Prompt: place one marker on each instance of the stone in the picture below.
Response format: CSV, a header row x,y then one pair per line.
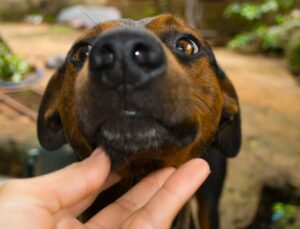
x,y
81,16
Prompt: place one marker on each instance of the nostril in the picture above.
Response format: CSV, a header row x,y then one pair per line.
x,y
147,55
102,57
141,54
108,56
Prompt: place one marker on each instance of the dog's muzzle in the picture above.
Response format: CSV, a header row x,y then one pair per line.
x,y
126,104
126,60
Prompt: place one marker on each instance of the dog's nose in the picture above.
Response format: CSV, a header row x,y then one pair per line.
x,y
126,59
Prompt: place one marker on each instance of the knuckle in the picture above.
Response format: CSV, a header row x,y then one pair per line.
x,y
88,186
171,193
126,204
141,219
11,185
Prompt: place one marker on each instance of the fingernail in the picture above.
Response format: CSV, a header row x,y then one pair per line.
x,y
97,151
205,168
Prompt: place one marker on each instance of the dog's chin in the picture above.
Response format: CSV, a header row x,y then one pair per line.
x,y
125,137
130,135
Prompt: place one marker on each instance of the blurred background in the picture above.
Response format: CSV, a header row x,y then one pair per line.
x,y
256,42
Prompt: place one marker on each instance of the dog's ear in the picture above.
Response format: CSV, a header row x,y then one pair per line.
x,y
228,137
49,125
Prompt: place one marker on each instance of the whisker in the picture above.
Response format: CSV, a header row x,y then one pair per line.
x,y
89,17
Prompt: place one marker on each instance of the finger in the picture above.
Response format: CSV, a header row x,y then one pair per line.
x,y
70,223
65,187
172,196
138,196
76,209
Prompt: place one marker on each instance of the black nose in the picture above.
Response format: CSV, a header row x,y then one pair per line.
x,y
126,58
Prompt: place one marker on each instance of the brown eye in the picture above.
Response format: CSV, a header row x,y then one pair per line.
x,y
81,53
187,46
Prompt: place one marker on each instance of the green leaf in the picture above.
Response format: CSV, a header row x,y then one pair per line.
x,y
12,67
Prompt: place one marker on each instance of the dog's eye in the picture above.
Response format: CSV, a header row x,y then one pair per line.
x,y
187,46
81,53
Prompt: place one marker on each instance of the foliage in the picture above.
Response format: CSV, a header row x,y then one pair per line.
x,y
273,38
248,41
283,214
264,38
12,67
254,11
293,53
273,28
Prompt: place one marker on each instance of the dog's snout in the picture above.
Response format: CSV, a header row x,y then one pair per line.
x,y
102,58
126,57
146,55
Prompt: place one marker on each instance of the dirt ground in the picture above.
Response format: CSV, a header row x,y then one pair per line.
x,y
269,98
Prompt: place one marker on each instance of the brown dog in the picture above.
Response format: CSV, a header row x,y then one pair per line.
x,y
151,93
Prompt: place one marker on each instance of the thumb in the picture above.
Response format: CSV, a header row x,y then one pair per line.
x,y
63,188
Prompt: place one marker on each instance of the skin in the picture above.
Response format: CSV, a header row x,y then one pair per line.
x,y
56,199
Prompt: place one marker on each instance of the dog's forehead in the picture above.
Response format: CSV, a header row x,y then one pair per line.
x,y
100,28
159,25
136,23
159,22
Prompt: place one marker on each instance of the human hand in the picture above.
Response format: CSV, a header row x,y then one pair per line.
x,y
56,199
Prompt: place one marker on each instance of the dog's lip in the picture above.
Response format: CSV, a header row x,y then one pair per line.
x,y
131,125
131,115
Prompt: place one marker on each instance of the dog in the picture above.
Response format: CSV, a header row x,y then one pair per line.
x,y
152,94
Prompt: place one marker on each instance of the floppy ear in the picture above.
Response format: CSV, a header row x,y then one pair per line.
x,y
228,137
49,125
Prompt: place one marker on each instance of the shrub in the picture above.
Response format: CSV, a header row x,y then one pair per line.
x,y
12,67
259,11
271,26
274,30
277,37
248,42
293,53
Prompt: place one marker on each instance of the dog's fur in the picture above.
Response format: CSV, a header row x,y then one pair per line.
x,y
189,109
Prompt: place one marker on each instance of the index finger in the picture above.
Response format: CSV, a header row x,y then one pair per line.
x,y
177,190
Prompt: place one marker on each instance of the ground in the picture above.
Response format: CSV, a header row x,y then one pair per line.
x,y
270,103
